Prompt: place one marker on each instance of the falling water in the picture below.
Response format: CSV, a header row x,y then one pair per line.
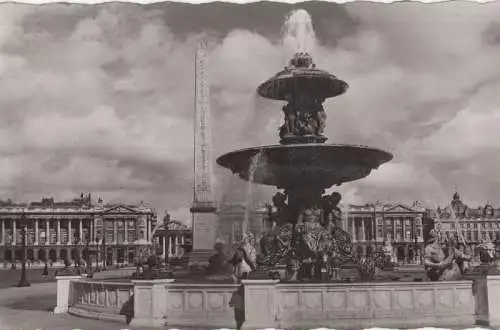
x,y
298,33
254,164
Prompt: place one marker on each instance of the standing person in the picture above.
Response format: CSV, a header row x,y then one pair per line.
x,y
238,303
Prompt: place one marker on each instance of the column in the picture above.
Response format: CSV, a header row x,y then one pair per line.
x,y
393,221
115,232
36,231
169,246
176,252
125,225
81,231
182,240
3,231
70,236
164,241
94,230
91,230
353,230
58,231
14,230
403,228
148,234
363,229
375,228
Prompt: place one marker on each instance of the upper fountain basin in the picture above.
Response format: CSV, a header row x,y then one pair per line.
x,y
321,165
302,81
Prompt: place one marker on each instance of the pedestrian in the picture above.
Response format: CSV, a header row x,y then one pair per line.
x,y
238,303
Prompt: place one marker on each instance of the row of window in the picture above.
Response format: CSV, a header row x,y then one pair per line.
x,y
475,225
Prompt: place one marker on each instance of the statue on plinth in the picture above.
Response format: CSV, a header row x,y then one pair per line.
x,y
388,250
443,264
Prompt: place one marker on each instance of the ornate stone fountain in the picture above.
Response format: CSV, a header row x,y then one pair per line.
x,y
304,233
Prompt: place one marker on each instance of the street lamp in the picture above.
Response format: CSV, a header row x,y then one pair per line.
x,y
24,226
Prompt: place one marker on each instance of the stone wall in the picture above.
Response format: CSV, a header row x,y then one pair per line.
x,y
196,304
270,304
397,304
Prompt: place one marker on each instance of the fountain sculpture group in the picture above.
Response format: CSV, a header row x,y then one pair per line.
x,y
303,234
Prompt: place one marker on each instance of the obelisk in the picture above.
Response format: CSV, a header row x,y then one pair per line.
x,y
204,208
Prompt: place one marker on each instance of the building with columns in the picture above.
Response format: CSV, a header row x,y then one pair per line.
x,y
174,240
477,225
371,225
79,229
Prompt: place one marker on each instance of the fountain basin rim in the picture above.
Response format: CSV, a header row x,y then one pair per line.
x,y
279,85
316,164
259,149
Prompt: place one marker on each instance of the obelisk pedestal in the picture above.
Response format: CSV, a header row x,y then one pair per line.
x,y
204,233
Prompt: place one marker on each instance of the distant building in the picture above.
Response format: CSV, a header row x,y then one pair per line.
x,y
173,239
371,225
477,225
78,229
232,218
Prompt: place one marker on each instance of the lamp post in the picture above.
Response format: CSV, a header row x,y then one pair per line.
x,y
24,280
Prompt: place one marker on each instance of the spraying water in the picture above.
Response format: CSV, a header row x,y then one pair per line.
x,y
256,160
298,34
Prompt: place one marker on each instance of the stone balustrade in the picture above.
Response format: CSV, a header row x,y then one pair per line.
x,y
102,300
399,304
271,304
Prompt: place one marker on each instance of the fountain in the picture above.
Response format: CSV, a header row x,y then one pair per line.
x,y
304,166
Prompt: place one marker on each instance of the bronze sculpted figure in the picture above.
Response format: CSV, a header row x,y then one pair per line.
x,y
441,264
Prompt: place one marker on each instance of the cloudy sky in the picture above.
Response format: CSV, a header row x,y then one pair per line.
x,y
100,98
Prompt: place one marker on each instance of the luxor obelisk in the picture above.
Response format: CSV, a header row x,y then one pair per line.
x,y
204,208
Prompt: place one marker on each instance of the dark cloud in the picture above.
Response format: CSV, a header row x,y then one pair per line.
x,y
101,97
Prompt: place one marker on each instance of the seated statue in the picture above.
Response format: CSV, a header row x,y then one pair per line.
x,y
218,264
441,265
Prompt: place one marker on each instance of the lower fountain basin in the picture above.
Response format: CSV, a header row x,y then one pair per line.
x,y
320,165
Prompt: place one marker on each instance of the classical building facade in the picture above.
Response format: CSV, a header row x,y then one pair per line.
x,y
371,225
79,229
475,225
174,240
232,220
